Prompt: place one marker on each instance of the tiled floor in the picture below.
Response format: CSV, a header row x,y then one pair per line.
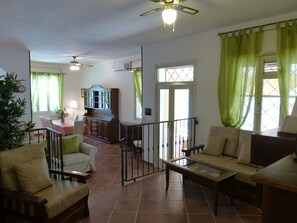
x,y
147,201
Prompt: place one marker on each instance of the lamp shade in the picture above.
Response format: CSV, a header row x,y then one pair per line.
x,y
169,16
73,104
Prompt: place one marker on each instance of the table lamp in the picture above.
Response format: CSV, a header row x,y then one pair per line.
x,y
73,105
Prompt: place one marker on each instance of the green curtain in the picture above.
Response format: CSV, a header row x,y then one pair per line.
x,y
35,88
238,66
287,62
138,83
53,83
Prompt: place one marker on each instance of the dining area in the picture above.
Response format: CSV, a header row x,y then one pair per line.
x,y
67,126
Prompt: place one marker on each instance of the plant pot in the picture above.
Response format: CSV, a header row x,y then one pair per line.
x,y
62,120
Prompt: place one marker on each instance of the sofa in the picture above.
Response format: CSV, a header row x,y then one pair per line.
x,y
78,155
230,148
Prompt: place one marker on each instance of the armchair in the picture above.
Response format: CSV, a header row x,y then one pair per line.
x,y
78,155
32,192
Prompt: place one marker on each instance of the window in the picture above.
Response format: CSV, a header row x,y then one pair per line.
x,y
46,91
265,110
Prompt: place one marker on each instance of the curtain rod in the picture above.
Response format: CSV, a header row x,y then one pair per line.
x,y
47,72
253,27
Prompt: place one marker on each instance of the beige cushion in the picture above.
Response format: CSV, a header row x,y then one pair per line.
x,y
33,175
74,158
232,135
61,195
244,154
215,160
231,147
215,145
245,136
11,157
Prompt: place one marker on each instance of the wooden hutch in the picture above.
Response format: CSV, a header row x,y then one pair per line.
x,y
102,112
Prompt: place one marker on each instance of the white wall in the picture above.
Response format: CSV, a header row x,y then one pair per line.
x,y
204,50
18,61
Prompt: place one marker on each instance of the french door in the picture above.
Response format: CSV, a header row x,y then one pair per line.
x,y
174,102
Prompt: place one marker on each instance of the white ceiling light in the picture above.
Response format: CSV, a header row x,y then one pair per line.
x,y
169,15
74,65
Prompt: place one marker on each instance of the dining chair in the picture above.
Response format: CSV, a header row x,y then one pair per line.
x,y
49,123
75,117
54,116
43,124
81,118
78,127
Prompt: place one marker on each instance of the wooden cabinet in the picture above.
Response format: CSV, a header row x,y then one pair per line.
x,y
268,147
279,191
102,114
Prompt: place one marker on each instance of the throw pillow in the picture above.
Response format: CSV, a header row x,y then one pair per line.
x,y
70,145
231,147
244,154
33,175
214,146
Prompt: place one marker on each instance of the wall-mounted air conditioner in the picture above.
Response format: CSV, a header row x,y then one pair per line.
x,y
121,66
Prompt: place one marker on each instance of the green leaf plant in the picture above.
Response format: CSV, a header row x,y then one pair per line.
x,y
13,129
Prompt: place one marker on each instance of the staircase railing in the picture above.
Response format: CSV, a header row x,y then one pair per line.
x,y
145,146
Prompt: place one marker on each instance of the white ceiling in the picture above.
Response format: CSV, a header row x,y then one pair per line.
x,y
53,30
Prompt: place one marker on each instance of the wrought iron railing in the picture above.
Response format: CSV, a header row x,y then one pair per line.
x,y
52,141
145,146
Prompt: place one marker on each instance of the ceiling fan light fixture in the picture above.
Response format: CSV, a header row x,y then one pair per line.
x,y
74,67
169,15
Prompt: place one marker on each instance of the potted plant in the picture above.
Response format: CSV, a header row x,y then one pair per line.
x,y
13,129
62,114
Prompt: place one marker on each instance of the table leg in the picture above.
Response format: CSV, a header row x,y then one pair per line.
x,y
167,177
216,198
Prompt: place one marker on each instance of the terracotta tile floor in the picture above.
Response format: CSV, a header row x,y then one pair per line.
x,y
147,201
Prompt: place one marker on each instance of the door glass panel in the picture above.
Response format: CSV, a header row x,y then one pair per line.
x,y
181,103
164,116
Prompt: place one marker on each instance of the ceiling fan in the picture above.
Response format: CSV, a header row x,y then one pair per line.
x,y
169,8
75,65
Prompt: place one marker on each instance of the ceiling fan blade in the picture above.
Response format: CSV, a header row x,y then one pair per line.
x,y
151,12
186,9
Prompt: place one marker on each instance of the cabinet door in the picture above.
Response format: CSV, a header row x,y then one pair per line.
x,y
106,130
94,127
85,96
99,129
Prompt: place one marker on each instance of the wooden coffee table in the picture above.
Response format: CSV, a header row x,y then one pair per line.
x,y
202,173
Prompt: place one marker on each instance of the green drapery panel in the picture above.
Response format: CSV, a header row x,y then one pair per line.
x,y
52,84
287,62
238,66
138,83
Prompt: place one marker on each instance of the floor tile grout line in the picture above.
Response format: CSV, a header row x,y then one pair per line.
x,y
237,214
112,211
208,203
185,201
138,205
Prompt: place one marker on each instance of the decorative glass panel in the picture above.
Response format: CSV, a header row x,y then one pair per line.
x,y
176,74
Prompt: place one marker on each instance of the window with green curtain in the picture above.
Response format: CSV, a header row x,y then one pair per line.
x,y
238,66
137,76
47,91
287,63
